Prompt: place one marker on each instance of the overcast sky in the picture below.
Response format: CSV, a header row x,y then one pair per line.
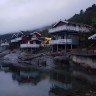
x,y
16,15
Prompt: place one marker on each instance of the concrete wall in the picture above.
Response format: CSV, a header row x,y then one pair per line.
x,y
84,61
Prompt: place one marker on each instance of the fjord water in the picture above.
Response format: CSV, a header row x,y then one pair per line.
x,y
19,84
58,82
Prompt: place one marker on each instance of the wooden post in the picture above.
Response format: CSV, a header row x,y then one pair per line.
x,y
65,42
57,46
31,50
71,42
71,45
52,48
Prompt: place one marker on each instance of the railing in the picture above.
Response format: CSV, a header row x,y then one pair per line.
x,y
16,39
69,28
34,38
29,45
61,41
5,44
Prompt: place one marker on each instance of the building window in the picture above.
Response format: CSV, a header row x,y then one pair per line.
x,y
62,37
68,36
59,37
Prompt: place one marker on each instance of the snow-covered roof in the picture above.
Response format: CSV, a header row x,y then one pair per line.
x,y
92,37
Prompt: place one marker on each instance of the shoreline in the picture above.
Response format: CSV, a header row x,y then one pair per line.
x,y
46,59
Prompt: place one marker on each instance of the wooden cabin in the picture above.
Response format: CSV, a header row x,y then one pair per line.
x,y
65,36
16,40
35,38
4,43
31,41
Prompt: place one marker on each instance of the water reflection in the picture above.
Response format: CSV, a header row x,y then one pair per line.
x,y
61,81
33,77
67,81
24,83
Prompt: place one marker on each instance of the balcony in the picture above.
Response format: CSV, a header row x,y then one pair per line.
x,y
60,41
5,44
29,45
34,38
16,39
69,28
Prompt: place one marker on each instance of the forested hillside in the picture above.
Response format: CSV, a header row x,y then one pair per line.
x,y
87,17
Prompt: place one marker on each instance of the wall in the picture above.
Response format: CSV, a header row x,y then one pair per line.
x,y
84,61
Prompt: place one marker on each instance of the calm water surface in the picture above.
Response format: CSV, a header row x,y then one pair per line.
x,y
59,82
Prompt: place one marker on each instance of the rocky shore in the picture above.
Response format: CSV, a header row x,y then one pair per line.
x,y
47,61
43,60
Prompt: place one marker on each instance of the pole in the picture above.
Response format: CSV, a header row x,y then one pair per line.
x,y
65,42
57,45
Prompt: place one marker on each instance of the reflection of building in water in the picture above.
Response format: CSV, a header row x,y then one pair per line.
x,y
61,83
27,77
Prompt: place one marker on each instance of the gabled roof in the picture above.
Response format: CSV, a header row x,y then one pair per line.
x,y
36,33
14,35
65,22
93,37
20,33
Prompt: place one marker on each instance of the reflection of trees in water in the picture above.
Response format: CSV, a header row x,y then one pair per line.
x,y
33,77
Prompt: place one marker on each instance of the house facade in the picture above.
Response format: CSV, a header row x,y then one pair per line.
x,y
28,41
4,43
16,40
31,41
65,35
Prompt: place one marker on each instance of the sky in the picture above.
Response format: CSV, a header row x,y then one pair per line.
x,y
22,15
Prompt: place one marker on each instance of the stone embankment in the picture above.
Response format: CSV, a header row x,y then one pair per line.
x,y
84,61
18,58
45,59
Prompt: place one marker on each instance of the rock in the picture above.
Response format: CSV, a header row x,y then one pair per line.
x,y
61,59
44,61
21,58
2,54
11,58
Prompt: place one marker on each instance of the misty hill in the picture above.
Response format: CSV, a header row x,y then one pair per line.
x,y
87,17
43,31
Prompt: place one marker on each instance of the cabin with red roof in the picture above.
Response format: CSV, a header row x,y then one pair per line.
x,y
31,41
65,35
